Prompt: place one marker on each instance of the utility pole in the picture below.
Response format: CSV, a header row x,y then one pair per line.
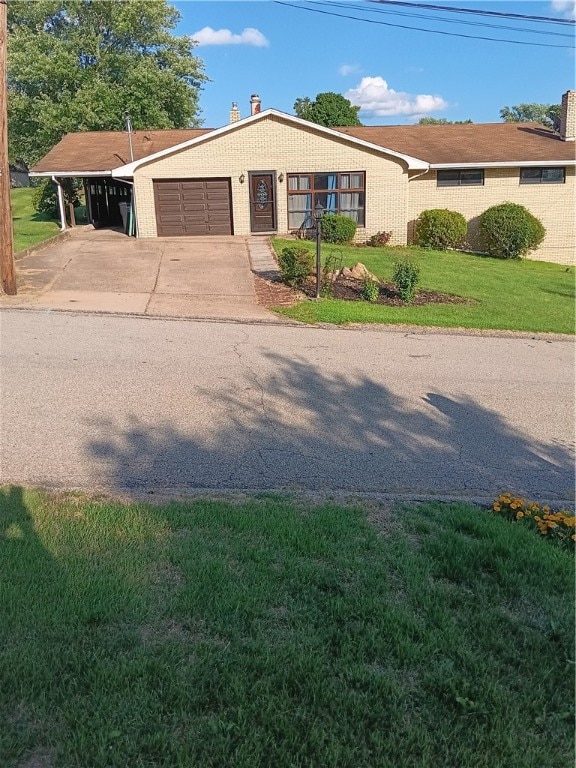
x,y
6,238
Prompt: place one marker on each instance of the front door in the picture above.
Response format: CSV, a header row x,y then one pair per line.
x,y
262,201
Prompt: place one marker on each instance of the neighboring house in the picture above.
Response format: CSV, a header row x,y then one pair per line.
x,y
19,175
266,173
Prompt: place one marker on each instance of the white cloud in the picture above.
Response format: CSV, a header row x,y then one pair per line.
x,y
374,96
248,36
349,69
566,7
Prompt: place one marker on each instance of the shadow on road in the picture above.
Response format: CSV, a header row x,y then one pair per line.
x,y
300,428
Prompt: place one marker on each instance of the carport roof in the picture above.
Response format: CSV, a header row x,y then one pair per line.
x,y
102,151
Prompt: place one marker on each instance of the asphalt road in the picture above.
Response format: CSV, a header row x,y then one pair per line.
x,y
122,404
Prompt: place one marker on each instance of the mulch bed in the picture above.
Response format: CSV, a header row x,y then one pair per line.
x,y
273,293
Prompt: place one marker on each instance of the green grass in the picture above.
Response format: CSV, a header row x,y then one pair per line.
x,y
30,227
267,633
509,295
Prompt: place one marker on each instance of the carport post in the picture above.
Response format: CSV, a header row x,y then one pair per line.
x,y
60,203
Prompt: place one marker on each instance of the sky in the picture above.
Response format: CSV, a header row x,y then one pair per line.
x,y
395,75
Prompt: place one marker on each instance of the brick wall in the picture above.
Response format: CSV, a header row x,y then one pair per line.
x,y
273,145
392,203
553,204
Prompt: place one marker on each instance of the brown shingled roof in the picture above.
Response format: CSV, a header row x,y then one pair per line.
x,y
106,150
469,143
436,144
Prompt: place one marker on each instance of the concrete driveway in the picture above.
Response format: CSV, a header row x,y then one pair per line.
x,y
105,271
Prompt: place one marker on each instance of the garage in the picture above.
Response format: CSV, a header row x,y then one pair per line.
x,y
193,207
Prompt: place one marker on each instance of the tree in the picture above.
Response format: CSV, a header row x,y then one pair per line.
x,y
329,109
546,114
78,65
441,121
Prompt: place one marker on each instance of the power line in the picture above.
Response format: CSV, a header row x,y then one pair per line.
x,y
478,11
352,6
421,29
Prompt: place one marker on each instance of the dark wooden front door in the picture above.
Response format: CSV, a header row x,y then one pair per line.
x,y
262,202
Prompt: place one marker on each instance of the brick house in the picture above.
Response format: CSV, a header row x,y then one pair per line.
x,y
266,173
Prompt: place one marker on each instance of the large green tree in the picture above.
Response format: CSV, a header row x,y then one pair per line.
x,y
329,109
78,65
531,113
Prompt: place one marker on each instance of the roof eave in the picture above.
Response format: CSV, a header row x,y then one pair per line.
x,y
66,174
503,164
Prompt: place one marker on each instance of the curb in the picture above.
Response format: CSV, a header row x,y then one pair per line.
x,y
65,235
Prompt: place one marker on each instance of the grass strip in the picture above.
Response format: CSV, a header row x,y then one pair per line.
x,y
271,633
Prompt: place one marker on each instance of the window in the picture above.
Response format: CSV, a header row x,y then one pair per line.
x,y
460,178
542,175
336,192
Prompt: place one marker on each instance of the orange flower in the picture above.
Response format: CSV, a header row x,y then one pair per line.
x,y
496,507
519,515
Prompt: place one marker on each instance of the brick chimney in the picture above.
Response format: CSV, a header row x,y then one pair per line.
x,y
234,113
254,104
568,117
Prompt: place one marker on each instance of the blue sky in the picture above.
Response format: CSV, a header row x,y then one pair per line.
x,y
396,75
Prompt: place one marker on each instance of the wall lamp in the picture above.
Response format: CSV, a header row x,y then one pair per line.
x,y
242,178
281,177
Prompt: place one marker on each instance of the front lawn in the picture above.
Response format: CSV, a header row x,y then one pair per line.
x,y
508,295
269,633
30,227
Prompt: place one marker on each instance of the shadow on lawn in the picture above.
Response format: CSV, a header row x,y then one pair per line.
x,y
299,428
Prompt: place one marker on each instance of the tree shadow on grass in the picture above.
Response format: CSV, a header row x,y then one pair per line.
x,y
300,428
32,585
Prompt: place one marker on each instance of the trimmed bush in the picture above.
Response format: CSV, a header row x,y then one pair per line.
x,y
337,228
379,240
406,276
441,229
510,231
296,263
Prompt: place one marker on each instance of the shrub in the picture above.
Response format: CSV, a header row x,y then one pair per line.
x,y
379,240
337,228
370,290
510,231
296,263
406,276
441,229
45,197
554,525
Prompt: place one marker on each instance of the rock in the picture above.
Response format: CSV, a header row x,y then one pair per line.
x,y
358,272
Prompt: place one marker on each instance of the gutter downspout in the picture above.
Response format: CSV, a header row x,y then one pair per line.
x,y
411,178
60,204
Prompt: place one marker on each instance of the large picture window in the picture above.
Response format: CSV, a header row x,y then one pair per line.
x,y
336,192
460,178
542,175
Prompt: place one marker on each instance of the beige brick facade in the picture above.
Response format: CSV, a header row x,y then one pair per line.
x,y
273,145
392,201
553,204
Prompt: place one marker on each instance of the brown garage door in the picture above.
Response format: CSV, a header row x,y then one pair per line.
x,y
193,207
